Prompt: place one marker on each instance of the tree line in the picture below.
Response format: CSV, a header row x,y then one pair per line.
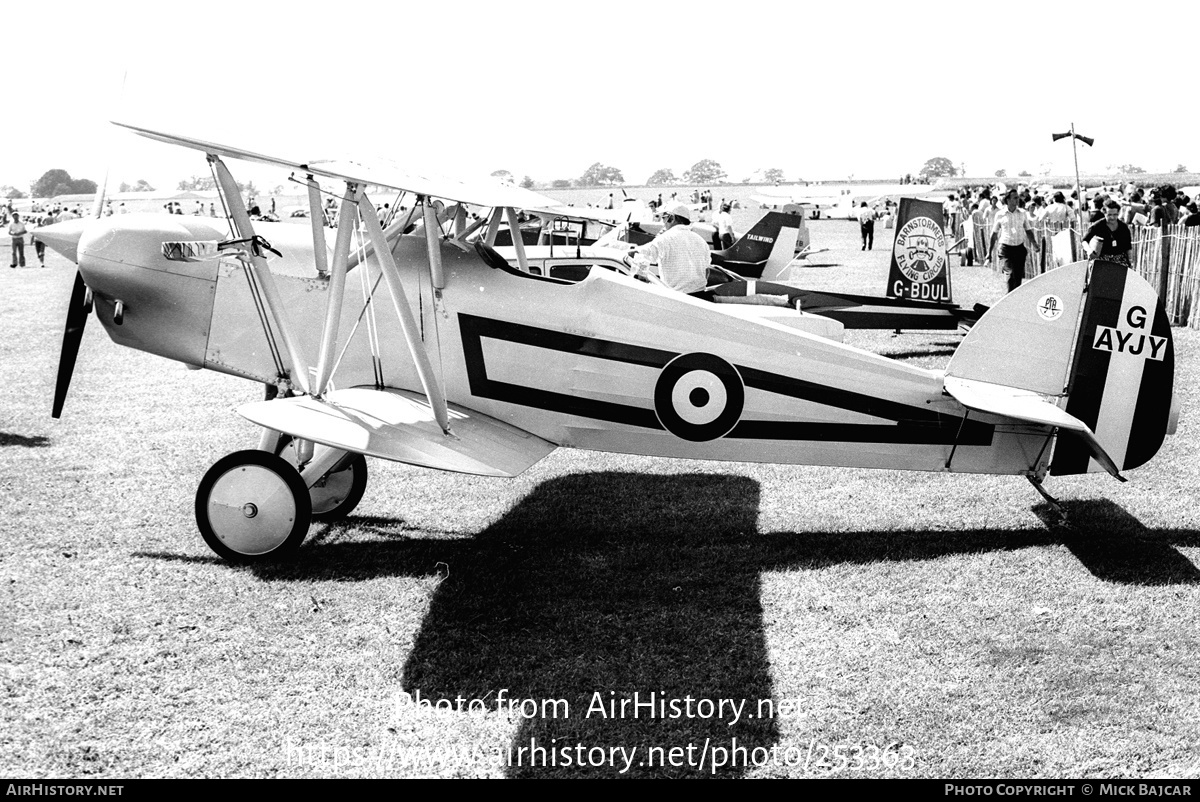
x,y
942,167
705,171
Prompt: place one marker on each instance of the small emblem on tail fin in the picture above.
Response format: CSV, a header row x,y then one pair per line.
x,y
1050,307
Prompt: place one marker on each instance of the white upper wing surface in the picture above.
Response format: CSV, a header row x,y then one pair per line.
x,y
485,191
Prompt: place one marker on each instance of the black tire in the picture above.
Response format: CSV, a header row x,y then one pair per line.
x,y
253,507
352,479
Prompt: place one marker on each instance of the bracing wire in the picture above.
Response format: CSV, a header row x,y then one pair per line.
x,y
368,310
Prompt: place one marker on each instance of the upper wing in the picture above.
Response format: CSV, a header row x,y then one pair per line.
x,y
480,192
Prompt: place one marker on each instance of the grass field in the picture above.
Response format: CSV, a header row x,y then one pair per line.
x,y
871,623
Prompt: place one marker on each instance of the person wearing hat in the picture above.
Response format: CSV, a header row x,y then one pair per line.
x,y
681,254
16,230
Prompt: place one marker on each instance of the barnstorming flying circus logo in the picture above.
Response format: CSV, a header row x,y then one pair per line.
x,y
919,254
920,249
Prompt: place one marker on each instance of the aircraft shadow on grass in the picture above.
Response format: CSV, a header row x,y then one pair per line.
x,y
941,348
1116,547
918,354
26,441
631,582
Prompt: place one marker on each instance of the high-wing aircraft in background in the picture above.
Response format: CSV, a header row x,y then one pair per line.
x,y
428,350
822,201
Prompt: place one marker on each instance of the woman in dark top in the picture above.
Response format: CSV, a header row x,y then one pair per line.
x,y
1110,239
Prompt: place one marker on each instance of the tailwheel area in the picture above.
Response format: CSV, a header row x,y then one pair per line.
x,y
252,506
337,492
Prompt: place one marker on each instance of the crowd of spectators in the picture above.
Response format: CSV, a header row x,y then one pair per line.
x,y
1056,210
41,214
21,225
1110,214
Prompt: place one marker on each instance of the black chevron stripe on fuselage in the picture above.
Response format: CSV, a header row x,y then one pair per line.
x,y
915,425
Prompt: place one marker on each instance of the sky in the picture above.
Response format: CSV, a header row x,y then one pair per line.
x,y
822,91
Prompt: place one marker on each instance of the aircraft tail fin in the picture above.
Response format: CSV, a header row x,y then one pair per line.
x,y
1093,338
920,264
765,250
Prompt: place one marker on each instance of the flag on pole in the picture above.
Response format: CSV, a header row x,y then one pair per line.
x,y
920,269
1087,140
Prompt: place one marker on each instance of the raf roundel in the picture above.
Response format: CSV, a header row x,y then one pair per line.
x,y
699,397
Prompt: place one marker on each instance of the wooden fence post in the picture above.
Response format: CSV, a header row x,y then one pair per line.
x,y
1165,262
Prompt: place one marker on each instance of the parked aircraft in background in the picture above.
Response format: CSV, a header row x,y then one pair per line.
x,y
844,201
427,349
766,253
766,250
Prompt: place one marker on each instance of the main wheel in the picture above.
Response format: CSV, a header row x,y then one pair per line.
x,y
336,493
252,506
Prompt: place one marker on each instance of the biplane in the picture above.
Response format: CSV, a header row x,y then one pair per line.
x,y
425,349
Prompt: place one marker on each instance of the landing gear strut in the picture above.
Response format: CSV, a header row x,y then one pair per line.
x,y
339,490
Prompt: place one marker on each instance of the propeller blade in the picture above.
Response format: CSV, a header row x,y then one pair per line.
x,y
77,315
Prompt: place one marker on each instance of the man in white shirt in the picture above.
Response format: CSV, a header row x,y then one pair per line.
x,y
723,221
1012,228
681,254
16,230
952,209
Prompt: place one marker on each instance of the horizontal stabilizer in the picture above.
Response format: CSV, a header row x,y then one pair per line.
x,y
1028,407
399,425
877,312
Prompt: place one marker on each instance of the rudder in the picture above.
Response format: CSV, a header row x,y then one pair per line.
x,y
1094,337
1123,373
